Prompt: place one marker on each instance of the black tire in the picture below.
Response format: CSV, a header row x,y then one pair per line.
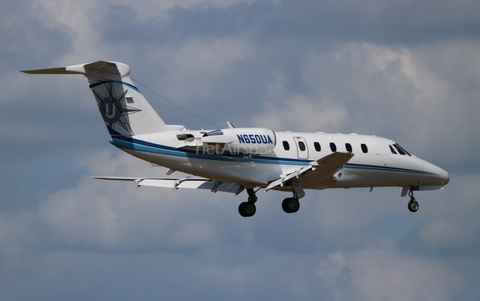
x,y
413,205
285,206
247,209
290,205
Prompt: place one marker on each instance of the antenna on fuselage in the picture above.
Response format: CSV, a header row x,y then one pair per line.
x,y
173,103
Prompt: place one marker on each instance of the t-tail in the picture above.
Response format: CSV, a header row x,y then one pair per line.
x,y
123,108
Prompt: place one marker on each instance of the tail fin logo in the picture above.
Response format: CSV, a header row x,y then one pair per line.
x,y
110,110
113,107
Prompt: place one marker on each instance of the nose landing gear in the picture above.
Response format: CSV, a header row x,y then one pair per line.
x,y
413,204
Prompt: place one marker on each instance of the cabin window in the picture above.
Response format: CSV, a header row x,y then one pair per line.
x,y
301,146
129,99
286,146
317,146
392,150
364,148
348,146
333,147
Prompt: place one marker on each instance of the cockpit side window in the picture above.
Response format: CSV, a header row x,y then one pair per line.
x,y
392,150
398,146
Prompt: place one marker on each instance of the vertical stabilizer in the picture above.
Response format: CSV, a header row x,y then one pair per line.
x,y
123,108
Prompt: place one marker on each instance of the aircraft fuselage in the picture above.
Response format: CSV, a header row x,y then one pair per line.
x,y
374,163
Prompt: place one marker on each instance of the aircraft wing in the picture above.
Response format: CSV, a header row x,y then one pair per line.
x,y
320,169
177,183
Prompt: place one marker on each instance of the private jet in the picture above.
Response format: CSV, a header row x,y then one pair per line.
x,y
235,159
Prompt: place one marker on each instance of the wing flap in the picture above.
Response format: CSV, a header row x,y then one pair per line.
x,y
322,168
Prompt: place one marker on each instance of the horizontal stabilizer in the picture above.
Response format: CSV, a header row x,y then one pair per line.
x,y
85,69
60,70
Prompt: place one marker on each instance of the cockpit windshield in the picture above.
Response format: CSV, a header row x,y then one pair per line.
x,y
401,150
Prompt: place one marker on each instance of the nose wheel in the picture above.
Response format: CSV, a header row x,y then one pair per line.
x,y
413,204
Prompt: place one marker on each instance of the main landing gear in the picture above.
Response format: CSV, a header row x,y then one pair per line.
x,y
248,209
413,204
291,205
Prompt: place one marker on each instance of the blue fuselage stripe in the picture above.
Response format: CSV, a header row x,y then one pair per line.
x,y
144,146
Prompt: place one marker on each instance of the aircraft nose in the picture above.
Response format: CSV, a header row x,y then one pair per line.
x,y
443,176
438,176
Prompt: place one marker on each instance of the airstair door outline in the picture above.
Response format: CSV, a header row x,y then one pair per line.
x,y
302,148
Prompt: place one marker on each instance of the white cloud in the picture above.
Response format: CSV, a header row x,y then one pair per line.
x,y
284,111
386,274
302,114
81,234
450,226
390,91
25,132
196,68
148,9
355,87
15,235
109,215
81,19
367,79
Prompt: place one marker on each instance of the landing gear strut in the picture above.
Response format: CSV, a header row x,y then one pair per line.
x,y
248,209
413,204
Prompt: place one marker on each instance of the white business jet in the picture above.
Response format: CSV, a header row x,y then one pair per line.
x,y
237,159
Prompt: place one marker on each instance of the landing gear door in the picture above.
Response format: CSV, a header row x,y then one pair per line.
x,y
302,148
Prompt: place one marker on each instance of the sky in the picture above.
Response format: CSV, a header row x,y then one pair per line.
x,y
405,70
